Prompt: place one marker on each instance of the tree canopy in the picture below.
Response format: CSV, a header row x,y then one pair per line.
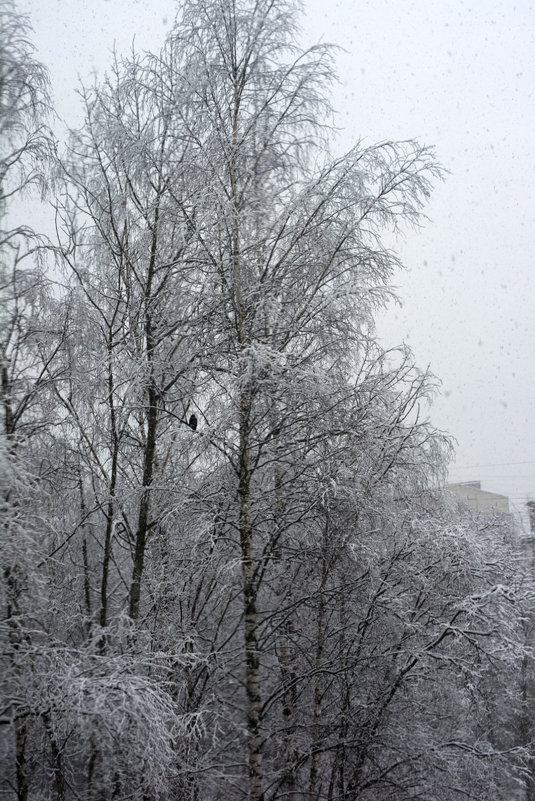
x,y
230,569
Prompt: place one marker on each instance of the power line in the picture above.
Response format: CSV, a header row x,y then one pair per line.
x,y
492,464
488,476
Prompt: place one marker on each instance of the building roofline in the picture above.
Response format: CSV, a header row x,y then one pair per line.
x,y
476,485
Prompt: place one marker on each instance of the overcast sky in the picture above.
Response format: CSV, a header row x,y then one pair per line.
x,y
453,74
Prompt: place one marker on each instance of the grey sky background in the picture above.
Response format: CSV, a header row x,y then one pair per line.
x,y
453,74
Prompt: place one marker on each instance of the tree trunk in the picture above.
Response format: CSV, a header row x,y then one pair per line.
x,y
150,444
289,700
318,688
252,662
103,616
144,506
20,755
15,627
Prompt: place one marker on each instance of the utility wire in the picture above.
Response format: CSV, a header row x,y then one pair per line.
x,y
492,464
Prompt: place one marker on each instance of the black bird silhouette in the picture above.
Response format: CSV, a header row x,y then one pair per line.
x,y
192,422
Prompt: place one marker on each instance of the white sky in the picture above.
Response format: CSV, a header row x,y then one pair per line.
x,y
453,74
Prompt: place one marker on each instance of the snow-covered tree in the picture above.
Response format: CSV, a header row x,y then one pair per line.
x,y
272,598
25,341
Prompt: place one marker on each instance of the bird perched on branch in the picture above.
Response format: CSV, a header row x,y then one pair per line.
x,y
192,422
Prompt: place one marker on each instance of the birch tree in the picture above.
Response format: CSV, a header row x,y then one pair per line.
x,y
25,148
120,211
25,151
291,251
